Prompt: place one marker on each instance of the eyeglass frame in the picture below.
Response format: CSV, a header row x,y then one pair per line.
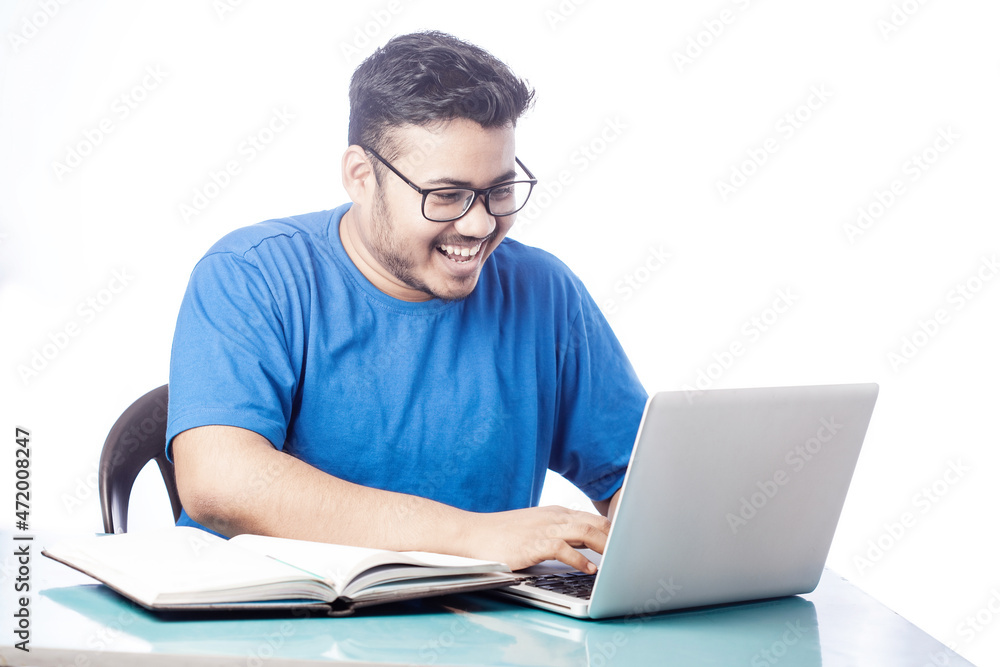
x,y
479,192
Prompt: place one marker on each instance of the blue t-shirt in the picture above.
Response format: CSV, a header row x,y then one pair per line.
x,y
465,402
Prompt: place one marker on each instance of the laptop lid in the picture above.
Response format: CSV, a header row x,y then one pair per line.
x,y
730,495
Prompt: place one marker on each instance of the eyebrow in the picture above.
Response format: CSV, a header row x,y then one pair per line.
x,y
451,182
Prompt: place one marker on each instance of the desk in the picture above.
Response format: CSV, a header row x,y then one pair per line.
x,y
76,622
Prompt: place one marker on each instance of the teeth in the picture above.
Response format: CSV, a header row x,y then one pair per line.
x,y
459,251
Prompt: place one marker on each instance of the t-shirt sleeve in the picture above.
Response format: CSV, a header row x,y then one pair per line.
x,y
599,407
230,363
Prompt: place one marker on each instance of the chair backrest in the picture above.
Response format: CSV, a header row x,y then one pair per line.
x,y
138,437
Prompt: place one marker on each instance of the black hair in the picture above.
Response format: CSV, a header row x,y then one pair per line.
x,y
429,77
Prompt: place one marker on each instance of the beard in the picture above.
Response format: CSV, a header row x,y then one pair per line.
x,y
396,255
391,253
387,249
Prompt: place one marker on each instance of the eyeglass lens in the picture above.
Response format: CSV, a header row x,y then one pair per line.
x,y
444,205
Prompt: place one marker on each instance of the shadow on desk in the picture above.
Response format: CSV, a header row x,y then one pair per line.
x,y
461,629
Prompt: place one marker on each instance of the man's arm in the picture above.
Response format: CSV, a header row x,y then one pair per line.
x,y
234,481
610,506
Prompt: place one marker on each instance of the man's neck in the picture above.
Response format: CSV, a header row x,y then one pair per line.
x,y
369,267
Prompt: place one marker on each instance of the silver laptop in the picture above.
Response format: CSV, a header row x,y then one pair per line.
x,y
730,495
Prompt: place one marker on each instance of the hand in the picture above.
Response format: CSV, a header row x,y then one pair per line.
x,y
521,538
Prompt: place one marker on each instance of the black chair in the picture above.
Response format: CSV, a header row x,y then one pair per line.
x,y
138,437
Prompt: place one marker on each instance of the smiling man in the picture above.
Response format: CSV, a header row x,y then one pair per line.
x,y
396,372
411,258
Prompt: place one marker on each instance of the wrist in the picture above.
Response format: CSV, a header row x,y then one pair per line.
x,y
457,538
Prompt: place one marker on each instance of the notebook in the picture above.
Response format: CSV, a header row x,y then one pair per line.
x,y
730,495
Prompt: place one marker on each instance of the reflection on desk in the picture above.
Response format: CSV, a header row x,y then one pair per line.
x,y
80,623
460,629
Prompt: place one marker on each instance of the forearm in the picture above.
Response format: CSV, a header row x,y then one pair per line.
x,y
233,481
610,506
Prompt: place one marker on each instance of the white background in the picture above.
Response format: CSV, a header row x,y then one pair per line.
x,y
644,111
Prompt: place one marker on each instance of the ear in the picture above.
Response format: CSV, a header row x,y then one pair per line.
x,y
357,174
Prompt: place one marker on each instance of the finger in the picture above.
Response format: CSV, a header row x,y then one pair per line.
x,y
563,539
599,522
568,517
585,535
570,556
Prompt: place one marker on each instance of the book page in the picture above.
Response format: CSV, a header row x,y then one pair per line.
x,y
339,565
335,563
382,579
184,565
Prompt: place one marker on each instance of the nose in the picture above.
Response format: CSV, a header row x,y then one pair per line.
x,y
477,222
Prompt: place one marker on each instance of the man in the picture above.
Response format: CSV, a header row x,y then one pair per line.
x,y
395,373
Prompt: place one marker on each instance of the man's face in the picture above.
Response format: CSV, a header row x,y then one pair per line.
x,y
413,258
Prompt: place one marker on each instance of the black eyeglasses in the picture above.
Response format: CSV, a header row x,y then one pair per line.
x,y
447,204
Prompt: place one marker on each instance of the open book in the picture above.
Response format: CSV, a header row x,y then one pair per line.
x,y
187,569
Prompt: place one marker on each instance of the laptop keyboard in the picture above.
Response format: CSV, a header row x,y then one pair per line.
x,y
575,584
